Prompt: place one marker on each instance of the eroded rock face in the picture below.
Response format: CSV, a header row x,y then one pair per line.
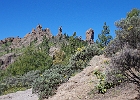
x,y
90,35
37,35
1,42
16,41
10,39
6,60
59,31
53,50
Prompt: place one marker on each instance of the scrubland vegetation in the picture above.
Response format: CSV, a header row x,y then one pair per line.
x,y
36,69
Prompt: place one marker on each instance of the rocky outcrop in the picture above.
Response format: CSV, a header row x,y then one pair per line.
x,y
9,39
1,42
16,41
90,35
53,50
35,35
59,31
6,60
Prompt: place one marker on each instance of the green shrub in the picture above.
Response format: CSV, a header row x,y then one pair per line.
x,y
80,59
125,51
30,60
59,57
47,83
15,83
126,35
103,83
125,66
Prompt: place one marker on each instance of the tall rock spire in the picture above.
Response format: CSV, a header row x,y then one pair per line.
x,y
90,35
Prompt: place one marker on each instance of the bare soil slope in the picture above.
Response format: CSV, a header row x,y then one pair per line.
x,y
78,86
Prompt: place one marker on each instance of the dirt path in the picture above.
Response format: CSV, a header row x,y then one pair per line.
x,y
78,86
20,95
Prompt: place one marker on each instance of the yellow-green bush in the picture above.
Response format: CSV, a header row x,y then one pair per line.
x,y
59,57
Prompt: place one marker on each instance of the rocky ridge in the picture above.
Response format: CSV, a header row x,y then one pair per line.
x,y
10,45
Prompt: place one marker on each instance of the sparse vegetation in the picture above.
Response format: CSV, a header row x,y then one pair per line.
x,y
47,83
36,69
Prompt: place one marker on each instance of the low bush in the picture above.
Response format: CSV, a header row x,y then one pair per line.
x,y
103,84
15,83
125,66
124,51
30,60
47,83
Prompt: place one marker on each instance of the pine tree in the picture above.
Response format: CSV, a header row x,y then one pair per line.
x,y
104,38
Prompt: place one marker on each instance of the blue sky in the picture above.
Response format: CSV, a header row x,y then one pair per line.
x,y
18,17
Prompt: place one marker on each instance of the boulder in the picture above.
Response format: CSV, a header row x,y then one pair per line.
x,y
48,33
16,41
7,60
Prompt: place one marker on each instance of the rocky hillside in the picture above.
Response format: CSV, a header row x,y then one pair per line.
x,y
80,86
24,61
12,47
82,83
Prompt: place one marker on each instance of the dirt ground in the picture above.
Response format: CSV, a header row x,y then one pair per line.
x,y
79,86
123,92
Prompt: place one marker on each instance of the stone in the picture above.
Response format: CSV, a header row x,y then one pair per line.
x,y
27,35
39,28
16,41
60,31
1,42
53,50
9,39
33,31
90,35
48,33
7,60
